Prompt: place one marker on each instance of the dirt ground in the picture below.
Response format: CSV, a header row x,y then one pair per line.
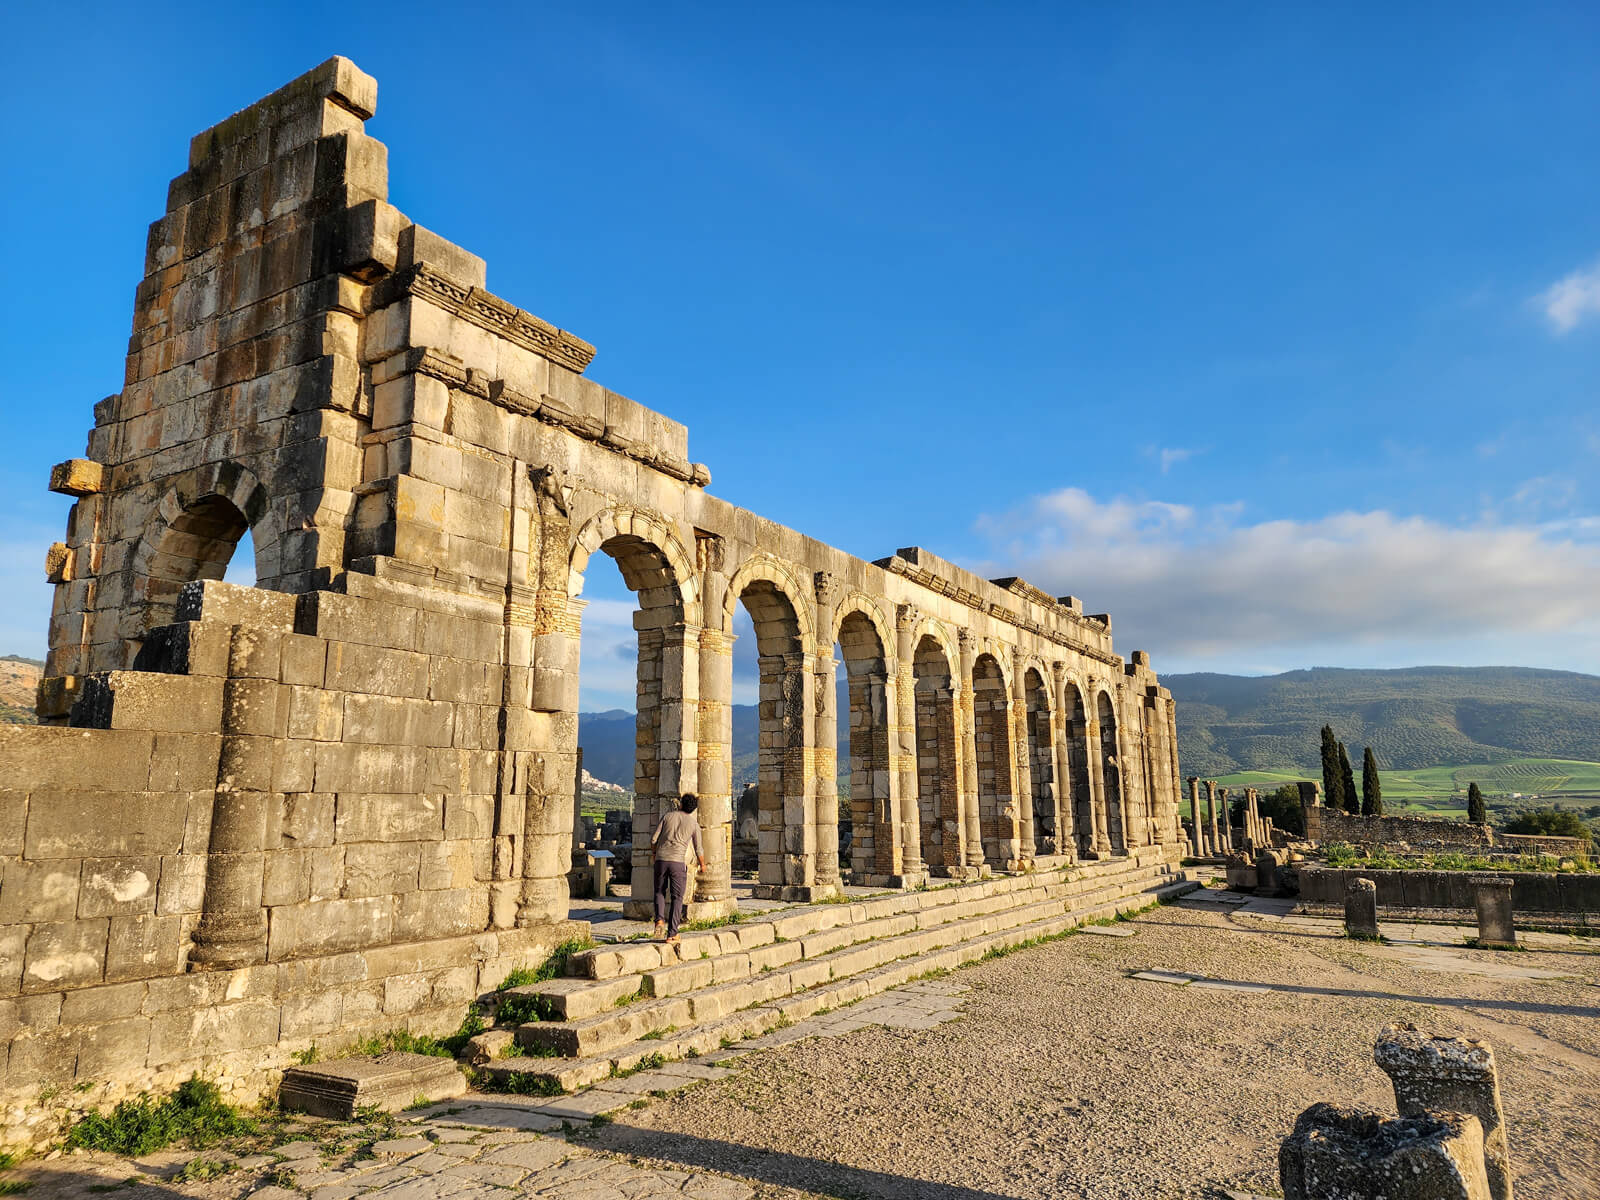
x,y
1069,1078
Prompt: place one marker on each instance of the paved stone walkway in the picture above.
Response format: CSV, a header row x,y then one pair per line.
x,y
479,1145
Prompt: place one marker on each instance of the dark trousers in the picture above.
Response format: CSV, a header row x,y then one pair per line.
x,y
672,882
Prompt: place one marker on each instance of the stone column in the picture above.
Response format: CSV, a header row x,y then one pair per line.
x,y
825,739
1253,817
1434,1075
1097,783
713,895
1022,754
1361,910
715,754
1219,844
1226,816
1201,845
232,931
801,827
1066,819
1493,896
969,752
903,748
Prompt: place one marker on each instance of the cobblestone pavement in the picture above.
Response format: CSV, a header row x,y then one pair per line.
x,y
478,1146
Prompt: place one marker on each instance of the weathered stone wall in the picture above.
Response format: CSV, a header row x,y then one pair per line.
x,y
1328,825
355,783
1532,891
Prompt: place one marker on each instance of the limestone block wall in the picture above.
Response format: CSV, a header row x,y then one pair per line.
x,y
165,909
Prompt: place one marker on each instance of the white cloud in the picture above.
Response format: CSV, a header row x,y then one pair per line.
x,y
1205,587
1572,299
1171,455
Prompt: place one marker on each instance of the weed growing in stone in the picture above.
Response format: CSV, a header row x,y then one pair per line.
x,y
195,1113
551,968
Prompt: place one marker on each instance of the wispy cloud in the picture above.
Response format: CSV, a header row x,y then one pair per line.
x,y
1170,456
1571,300
1206,585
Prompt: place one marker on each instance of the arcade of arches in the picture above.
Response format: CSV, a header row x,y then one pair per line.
x,y
366,764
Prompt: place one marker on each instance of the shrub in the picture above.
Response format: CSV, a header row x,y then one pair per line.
x,y
195,1113
1553,822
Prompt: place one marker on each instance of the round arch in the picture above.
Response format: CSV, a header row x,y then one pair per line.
x,y
769,569
649,554
859,603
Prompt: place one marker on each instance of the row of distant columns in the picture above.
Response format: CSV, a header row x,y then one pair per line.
x,y
1213,836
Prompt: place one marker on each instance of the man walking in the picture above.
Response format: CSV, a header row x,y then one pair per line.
x,y
675,836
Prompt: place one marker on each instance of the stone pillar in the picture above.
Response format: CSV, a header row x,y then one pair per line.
x,y
1200,842
825,739
1253,817
1361,910
714,748
903,744
713,894
969,752
1022,753
1095,755
1066,819
1226,816
232,931
1493,896
1219,843
1434,1075
801,827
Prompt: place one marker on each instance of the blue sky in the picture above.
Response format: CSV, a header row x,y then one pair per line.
x,y
1273,331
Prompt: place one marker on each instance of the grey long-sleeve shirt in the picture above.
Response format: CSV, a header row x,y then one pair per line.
x,y
675,836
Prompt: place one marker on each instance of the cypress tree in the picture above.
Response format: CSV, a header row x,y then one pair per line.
x,y
1332,795
1347,783
1371,788
1477,810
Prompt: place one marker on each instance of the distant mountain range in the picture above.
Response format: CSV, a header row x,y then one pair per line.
x,y
1412,718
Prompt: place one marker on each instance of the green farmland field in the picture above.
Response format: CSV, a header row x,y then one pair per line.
x,y
1442,791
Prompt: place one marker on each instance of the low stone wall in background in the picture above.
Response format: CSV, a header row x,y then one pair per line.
x,y
1576,898
1329,825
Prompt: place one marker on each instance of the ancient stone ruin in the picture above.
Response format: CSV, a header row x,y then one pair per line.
x,y
343,801
1449,1142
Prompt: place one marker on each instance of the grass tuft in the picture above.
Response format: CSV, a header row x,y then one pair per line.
x,y
195,1114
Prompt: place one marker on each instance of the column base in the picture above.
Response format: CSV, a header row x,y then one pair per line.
x,y
796,893
907,881
636,909
227,942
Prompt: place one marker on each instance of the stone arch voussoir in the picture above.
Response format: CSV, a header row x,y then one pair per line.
x,y
782,576
621,520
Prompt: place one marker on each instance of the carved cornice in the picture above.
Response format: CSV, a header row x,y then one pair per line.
x,y
454,374
488,311
897,565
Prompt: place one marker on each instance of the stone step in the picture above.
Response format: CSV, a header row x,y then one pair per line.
x,y
645,957
569,1073
391,1082
708,1000
572,998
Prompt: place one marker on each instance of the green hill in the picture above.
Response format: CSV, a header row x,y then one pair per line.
x,y
1416,718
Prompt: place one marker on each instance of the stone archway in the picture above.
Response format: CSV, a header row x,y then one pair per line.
x,y
655,567
192,535
1042,763
872,841
997,803
1075,725
1111,774
938,773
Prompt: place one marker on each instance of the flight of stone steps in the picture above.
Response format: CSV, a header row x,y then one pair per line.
x,y
633,1003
